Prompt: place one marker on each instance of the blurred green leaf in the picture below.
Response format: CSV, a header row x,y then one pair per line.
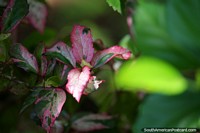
x,y
154,39
169,111
13,14
183,20
151,75
4,36
115,4
35,38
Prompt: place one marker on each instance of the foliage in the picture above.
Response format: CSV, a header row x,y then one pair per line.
x,y
73,81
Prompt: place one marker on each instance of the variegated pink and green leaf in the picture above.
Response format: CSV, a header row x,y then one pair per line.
x,y
23,58
82,43
62,52
48,106
102,57
37,15
13,14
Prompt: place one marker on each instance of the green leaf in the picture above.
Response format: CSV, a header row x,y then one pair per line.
x,y
169,111
183,23
4,36
151,75
30,100
54,81
103,60
115,4
153,36
14,13
23,58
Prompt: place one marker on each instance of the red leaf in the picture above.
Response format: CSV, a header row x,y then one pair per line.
x,y
77,81
23,58
82,43
37,15
62,52
91,122
102,57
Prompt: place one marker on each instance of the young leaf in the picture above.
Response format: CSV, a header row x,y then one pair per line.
x,y
115,4
15,11
37,15
62,52
23,58
102,57
49,106
92,85
77,82
82,43
4,36
91,122
53,81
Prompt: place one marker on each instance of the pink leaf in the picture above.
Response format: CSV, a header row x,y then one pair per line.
x,y
37,15
23,58
102,57
91,122
77,81
92,85
82,43
62,52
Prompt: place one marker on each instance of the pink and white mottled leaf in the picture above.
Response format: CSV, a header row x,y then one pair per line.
x,y
48,106
62,52
77,81
82,43
23,58
92,85
91,122
13,14
102,57
37,15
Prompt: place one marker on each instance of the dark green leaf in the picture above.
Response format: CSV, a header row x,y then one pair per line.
x,y
103,60
23,58
14,13
30,99
169,111
155,39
